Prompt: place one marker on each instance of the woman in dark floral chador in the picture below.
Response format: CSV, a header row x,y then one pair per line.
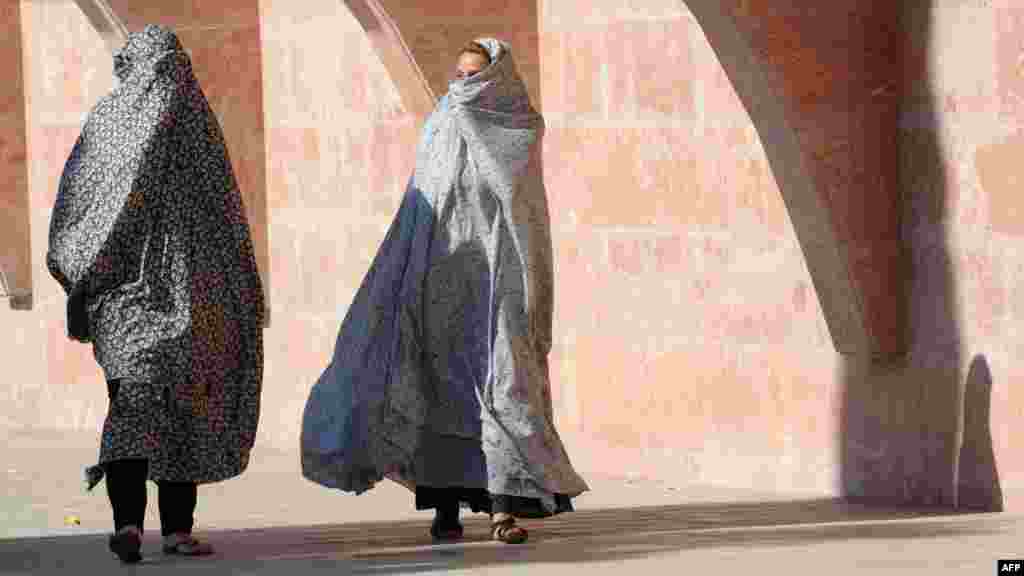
x,y
150,241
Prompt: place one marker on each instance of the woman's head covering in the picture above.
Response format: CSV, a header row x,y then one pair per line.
x,y
145,49
498,87
150,177
491,111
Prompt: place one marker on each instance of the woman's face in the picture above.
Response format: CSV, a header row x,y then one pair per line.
x,y
469,64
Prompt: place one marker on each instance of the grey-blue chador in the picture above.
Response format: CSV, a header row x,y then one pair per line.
x,y
439,377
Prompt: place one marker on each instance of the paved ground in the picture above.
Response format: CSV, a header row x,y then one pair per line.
x,y
271,521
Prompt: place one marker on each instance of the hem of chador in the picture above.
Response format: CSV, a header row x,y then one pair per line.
x,y
481,501
94,474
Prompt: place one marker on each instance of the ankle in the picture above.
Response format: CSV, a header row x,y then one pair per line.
x,y
447,512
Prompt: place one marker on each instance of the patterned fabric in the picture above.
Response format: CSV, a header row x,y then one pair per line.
x,y
439,377
150,241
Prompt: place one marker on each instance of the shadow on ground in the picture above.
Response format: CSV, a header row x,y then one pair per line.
x,y
581,537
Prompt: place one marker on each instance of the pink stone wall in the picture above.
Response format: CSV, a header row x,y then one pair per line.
x,y
688,332
52,382
340,148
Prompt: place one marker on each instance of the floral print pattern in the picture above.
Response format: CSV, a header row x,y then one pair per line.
x,y
149,238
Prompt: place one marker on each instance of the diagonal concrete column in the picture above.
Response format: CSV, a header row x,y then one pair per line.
x,y
831,77
795,134
417,95
106,22
838,76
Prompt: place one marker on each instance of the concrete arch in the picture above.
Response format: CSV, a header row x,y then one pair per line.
x,y
840,300
417,96
858,294
106,22
823,89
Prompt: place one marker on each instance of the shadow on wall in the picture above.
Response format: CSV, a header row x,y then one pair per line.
x,y
900,415
978,477
902,419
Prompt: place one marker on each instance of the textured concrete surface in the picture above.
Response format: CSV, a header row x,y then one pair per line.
x,y
270,521
629,540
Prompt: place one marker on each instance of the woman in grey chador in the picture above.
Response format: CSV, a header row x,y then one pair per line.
x,y
439,379
150,241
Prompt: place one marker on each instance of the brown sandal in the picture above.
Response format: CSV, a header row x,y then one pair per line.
x,y
506,531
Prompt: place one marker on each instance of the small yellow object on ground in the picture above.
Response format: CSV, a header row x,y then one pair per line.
x,y
72,520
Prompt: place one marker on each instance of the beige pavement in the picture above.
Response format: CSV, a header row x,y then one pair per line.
x,y
271,521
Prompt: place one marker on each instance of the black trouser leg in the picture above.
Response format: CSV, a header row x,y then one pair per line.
x,y
126,488
444,501
126,481
448,510
177,507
